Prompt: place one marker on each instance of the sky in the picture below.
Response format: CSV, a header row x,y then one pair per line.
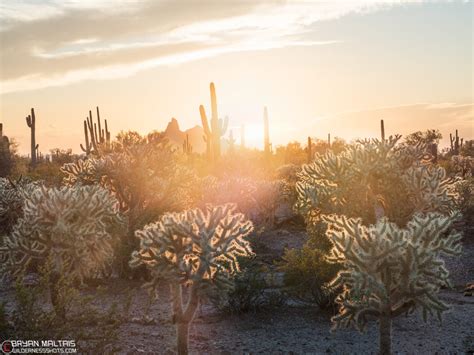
x,y
333,67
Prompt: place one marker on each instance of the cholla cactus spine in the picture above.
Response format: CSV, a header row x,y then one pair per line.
x,y
196,248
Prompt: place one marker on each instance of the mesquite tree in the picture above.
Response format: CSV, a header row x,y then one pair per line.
x,y
71,227
196,250
390,270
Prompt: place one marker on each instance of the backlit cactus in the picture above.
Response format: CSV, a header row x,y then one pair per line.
x,y
388,270
195,250
97,139
70,228
217,129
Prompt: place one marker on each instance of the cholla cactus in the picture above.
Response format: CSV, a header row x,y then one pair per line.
x,y
193,248
11,201
389,270
146,179
372,179
70,226
463,165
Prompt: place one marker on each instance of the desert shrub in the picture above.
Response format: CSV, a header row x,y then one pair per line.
x,y
94,329
195,250
247,292
307,270
71,226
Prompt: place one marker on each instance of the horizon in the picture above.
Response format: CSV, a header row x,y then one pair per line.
x,y
320,68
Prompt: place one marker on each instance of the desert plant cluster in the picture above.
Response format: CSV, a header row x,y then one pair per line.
x,y
379,215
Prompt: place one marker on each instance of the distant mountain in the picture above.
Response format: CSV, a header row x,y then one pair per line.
x,y
177,137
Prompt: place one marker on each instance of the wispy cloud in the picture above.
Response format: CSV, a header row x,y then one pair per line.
x,y
62,42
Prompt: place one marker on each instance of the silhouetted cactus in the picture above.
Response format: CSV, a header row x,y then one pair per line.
x,y
216,130
96,137
187,147
309,150
193,250
267,146
6,161
456,143
382,130
31,122
242,136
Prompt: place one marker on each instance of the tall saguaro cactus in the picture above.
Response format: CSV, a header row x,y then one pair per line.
x,y
242,136
96,137
267,146
216,130
382,130
456,143
193,250
187,147
310,150
31,122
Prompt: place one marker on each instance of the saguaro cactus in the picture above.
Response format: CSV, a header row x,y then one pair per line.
x,y
382,130
31,122
390,270
216,130
5,154
96,137
309,150
194,250
456,143
267,146
242,136
187,147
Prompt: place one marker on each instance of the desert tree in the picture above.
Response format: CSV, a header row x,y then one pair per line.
x,y
195,250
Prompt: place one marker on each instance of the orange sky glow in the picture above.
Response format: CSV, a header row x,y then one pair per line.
x,y
320,67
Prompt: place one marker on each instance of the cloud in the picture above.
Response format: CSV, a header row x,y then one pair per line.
x,y
61,42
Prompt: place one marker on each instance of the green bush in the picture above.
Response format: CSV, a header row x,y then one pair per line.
x,y
247,294
307,271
